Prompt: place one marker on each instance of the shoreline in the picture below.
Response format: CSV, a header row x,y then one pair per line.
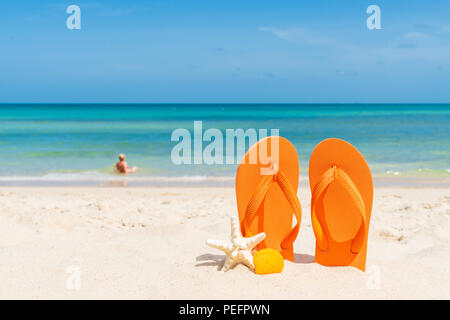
x,y
190,186
203,181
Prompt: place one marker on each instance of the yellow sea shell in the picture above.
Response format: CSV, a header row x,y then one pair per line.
x,y
268,261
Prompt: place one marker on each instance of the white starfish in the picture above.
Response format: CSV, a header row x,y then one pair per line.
x,y
239,249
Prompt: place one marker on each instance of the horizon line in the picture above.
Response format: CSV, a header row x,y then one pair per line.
x,y
225,103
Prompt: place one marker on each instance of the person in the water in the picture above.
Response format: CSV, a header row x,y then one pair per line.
x,y
122,167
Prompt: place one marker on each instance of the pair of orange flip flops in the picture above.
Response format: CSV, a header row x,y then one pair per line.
x,y
342,194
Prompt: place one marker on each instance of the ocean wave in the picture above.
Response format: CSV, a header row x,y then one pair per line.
x,y
102,177
99,176
96,178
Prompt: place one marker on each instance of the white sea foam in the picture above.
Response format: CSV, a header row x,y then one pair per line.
x,y
395,173
102,177
99,178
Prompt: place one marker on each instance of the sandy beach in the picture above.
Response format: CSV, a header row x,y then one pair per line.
x,y
149,243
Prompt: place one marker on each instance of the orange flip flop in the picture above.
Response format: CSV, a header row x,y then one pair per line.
x,y
341,205
266,194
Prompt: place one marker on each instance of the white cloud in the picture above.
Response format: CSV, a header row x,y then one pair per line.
x,y
299,35
446,30
117,12
428,42
417,36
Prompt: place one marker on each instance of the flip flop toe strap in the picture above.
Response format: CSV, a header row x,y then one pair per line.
x,y
258,198
339,175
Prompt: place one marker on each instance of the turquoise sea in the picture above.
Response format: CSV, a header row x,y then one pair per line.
x,y
78,143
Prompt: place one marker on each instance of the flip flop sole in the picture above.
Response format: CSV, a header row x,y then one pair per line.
x,y
336,210
274,216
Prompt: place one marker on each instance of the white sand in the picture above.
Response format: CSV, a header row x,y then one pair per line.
x,y
148,243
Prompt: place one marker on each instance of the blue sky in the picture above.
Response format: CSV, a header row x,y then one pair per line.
x,y
225,51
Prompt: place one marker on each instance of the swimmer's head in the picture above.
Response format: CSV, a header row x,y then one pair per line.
x,y
121,157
